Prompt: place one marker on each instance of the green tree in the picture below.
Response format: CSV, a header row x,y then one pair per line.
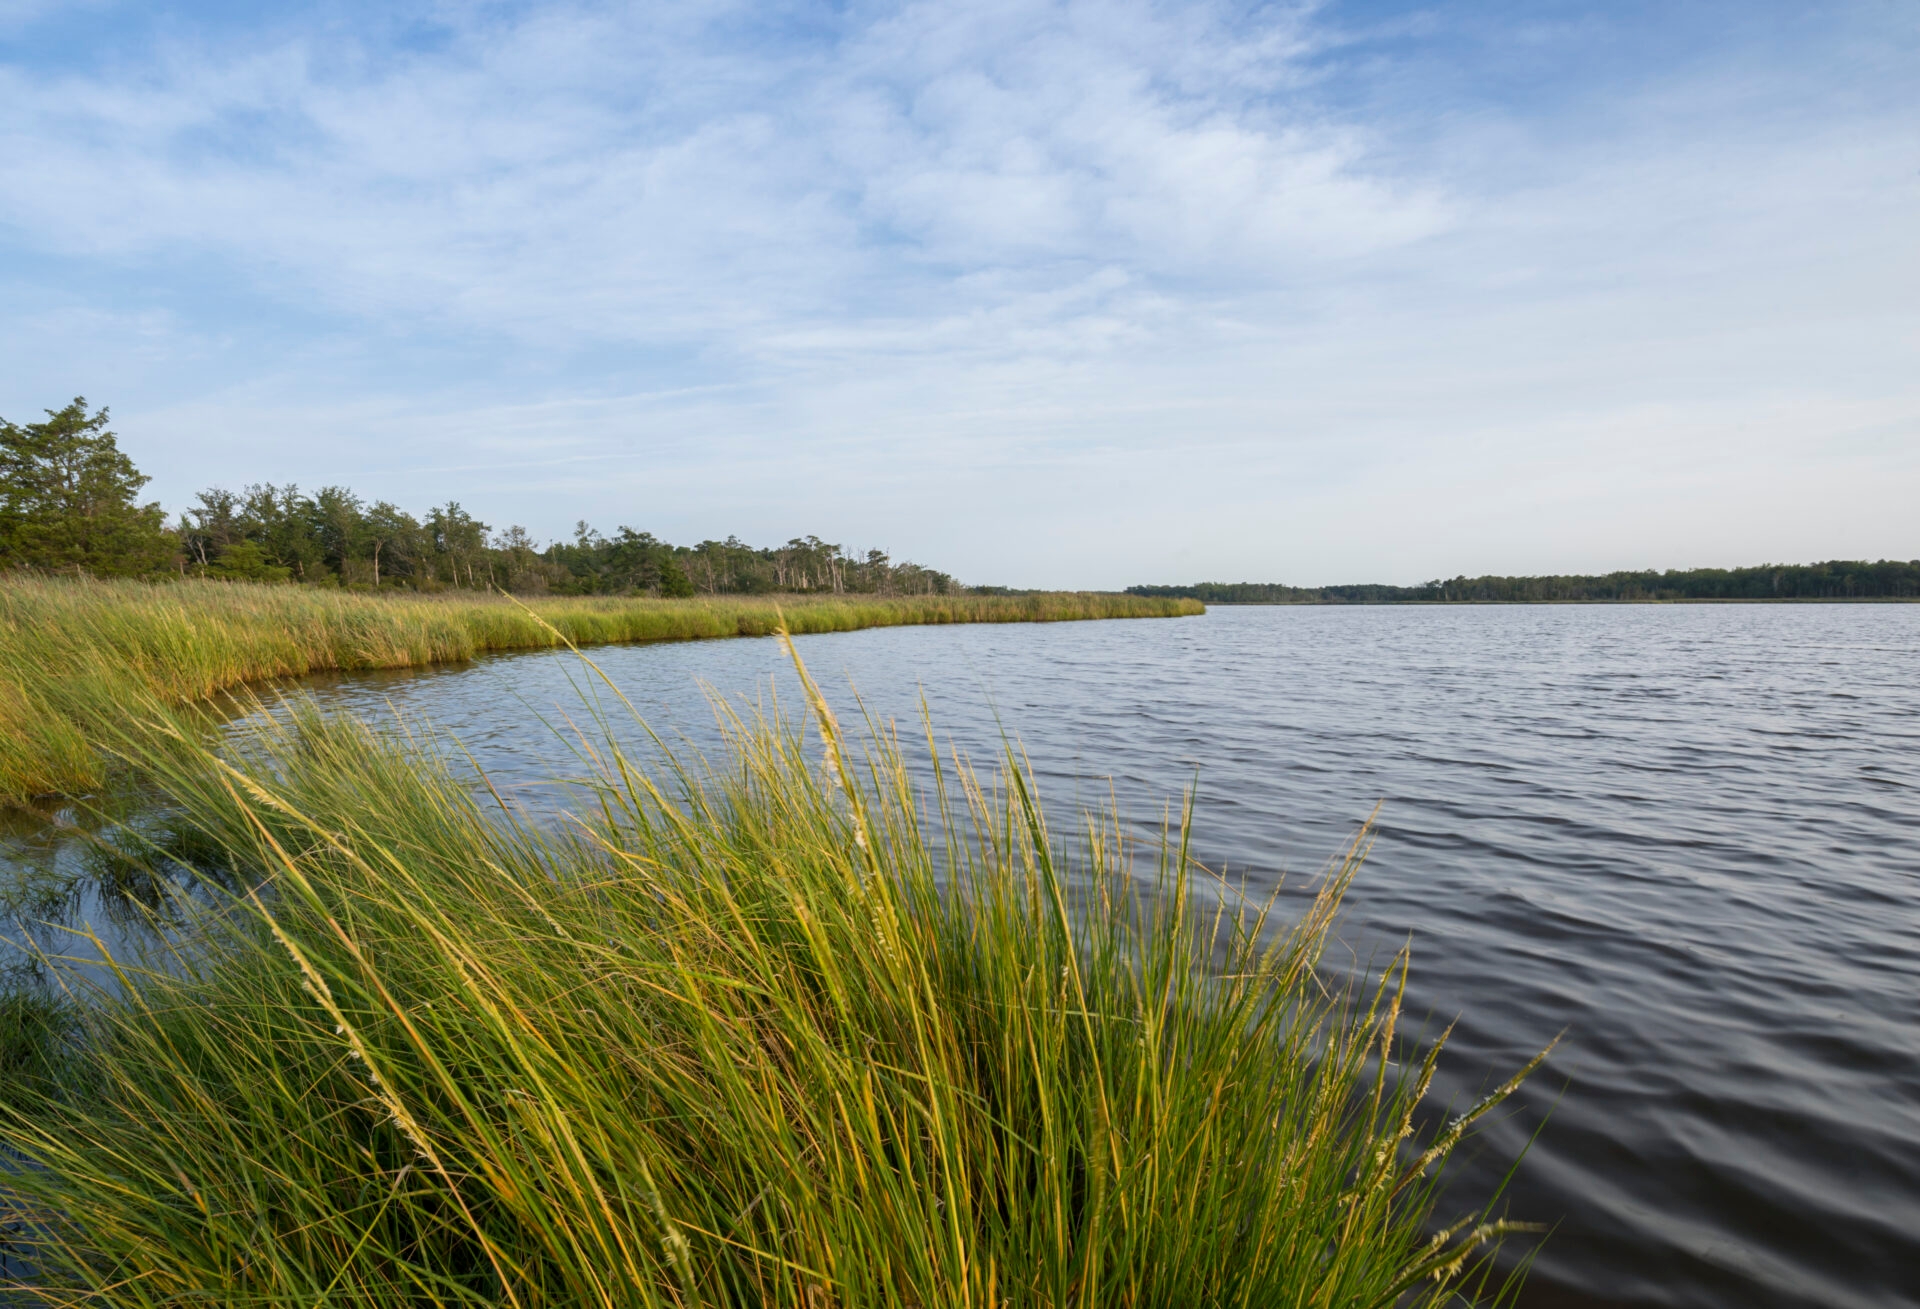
x,y
458,539
67,499
210,526
280,521
244,561
337,521
674,582
391,532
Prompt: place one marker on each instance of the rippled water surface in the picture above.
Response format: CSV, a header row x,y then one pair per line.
x,y
1688,835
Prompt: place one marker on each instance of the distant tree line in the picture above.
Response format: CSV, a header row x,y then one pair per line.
x,y
69,502
1838,579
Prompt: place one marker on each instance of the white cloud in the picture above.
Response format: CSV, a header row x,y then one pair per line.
x,y
569,175
1114,274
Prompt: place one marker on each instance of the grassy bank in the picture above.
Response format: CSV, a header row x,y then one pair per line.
x,y
74,653
739,1037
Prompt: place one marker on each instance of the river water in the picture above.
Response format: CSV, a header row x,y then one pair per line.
x,y
1687,835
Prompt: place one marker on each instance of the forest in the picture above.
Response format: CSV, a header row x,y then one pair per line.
x,y
332,537
1839,579
69,502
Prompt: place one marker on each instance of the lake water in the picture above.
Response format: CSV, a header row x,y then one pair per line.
x,y
1689,836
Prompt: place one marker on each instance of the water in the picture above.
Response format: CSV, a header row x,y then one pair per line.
x,y
1690,836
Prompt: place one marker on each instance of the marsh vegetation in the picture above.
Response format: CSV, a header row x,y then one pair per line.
x,y
74,653
788,1029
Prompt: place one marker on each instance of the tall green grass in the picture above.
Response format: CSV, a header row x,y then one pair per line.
x,y
74,653
783,1030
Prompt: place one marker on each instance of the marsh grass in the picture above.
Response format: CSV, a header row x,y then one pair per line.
x,y
732,1034
75,653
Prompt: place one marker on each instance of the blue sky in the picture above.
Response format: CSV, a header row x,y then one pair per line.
x,y
1044,294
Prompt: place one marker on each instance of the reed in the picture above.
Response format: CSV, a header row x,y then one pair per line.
x,y
790,1029
73,653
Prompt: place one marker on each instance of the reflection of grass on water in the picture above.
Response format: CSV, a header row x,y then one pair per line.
x,y
140,879
744,1035
38,1026
74,653
125,872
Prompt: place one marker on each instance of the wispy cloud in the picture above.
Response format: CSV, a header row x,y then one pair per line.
x,y
574,173
726,268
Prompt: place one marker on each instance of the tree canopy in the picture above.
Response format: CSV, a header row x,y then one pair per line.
x,y
333,537
68,499
69,502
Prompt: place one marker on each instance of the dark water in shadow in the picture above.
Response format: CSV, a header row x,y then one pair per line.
x,y
1688,835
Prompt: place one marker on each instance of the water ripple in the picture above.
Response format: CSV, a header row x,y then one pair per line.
x,y
1687,835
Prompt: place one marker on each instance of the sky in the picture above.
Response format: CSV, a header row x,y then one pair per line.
x,y
1042,294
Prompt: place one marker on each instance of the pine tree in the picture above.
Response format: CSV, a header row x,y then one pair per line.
x,y
67,499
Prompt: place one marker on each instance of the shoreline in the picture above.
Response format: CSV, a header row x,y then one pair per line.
x,y
1500,604
78,655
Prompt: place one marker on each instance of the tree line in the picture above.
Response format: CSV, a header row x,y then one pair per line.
x,y
1838,579
69,501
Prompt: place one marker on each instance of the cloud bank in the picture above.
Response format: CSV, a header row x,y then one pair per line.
x,y
1049,294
